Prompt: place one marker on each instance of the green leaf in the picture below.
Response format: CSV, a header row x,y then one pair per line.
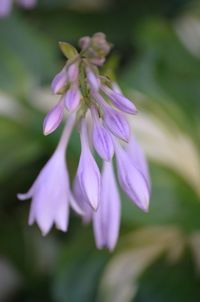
x,y
68,50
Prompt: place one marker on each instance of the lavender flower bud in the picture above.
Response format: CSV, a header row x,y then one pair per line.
x,y
72,98
120,101
88,172
73,72
53,118
102,140
131,179
84,42
59,81
106,220
113,120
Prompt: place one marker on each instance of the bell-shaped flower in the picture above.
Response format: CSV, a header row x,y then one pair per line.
x,y
106,220
59,81
53,118
102,140
88,172
50,192
131,180
119,100
72,98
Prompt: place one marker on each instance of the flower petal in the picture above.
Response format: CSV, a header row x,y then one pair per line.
x,y
72,98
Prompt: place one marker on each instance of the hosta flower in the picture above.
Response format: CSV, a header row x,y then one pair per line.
x,y
6,5
98,109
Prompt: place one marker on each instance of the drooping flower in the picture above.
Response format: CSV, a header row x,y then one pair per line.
x,y
98,108
50,193
106,220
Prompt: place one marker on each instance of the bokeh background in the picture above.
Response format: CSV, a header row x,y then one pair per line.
x,y
156,59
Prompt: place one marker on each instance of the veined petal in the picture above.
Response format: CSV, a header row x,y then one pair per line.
x,y
102,140
53,118
72,98
119,100
131,179
88,171
106,220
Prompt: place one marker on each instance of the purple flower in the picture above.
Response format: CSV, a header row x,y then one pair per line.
x,y
119,101
50,192
88,172
53,118
102,140
59,81
106,220
131,180
98,111
72,98
73,72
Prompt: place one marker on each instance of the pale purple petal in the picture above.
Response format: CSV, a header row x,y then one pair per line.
x,y
102,140
88,171
5,7
116,123
59,81
137,157
93,81
72,98
131,179
53,118
119,100
75,206
106,220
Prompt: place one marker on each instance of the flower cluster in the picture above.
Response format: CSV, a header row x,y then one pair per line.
x,y
99,110
6,6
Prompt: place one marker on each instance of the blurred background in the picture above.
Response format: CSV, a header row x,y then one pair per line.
x,y
156,59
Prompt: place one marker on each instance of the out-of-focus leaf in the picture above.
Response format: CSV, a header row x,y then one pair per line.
x,y
79,270
68,50
26,56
